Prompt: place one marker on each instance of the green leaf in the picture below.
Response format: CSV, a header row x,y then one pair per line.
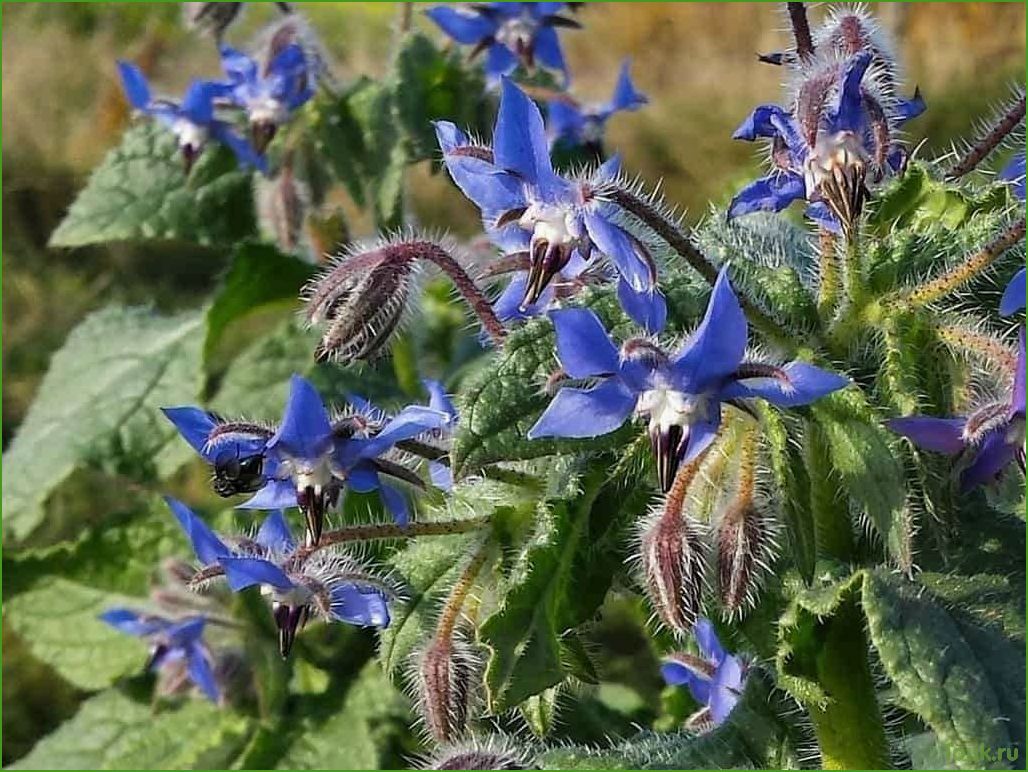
x,y
140,193
112,731
363,734
103,389
940,674
558,583
862,458
260,276
339,138
501,402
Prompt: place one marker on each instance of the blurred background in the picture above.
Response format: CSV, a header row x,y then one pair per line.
x,y
63,109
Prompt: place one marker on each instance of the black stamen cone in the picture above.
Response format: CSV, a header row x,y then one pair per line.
x,y
288,619
261,134
313,506
547,260
667,447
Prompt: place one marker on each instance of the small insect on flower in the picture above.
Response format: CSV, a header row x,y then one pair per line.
x,y
986,441
301,583
509,33
192,121
172,643
307,461
527,207
716,679
839,131
271,93
583,126
680,395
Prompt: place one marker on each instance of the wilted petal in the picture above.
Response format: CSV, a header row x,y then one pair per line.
x,y
583,346
207,546
585,412
942,435
246,572
716,348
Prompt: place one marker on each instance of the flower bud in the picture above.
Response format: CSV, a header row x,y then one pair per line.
x,y
673,559
447,674
282,203
743,542
491,753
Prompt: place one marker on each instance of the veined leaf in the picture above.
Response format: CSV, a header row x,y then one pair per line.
x,y
140,192
113,731
104,387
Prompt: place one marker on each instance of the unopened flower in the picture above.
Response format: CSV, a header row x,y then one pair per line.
x,y
583,126
492,752
527,207
715,679
673,559
192,120
271,93
988,440
172,643
217,17
308,461
680,396
839,132
446,677
508,33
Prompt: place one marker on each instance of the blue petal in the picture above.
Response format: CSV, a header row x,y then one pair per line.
x,y
246,572
195,426
499,61
583,346
1017,393
276,494
702,433
618,247
678,674
274,533
547,51
823,217
360,606
181,634
306,431
849,112
564,121
626,97
207,546
609,170
438,399
519,139
239,67
908,109
647,308
362,478
407,424
243,150
1015,172
807,383
941,435
768,194
716,348
198,102
200,671
441,476
992,457
465,28
396,503
134,84
133,623
759,123
726,689
488,187
707,641
508,305
586,412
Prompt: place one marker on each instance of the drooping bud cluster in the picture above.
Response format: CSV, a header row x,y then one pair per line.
x,y
492,752
673,558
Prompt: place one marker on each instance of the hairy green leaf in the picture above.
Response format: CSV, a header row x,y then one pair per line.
x,y
938,671
140,193
101,397
113,731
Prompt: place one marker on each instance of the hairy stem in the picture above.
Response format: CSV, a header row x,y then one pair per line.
x,y
464,284
853,276
455,601
379,531
684,477
801,30
989,141
682,244
970,269
977,344
833,531
828,275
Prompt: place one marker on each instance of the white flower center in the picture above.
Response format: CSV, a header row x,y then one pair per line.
x,y
666,408
552,224
516,34
309,473
297,596
267,110
189,134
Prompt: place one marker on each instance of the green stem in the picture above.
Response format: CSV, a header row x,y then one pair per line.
x,y
849,726
853,276
833,531
828,273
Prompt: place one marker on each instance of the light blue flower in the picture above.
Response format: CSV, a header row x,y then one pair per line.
x,y
578,125
715,679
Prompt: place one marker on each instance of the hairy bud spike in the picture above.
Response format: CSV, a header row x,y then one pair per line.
x,y
492,753
742,541
447,675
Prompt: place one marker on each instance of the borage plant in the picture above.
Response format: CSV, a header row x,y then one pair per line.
x,y
774,461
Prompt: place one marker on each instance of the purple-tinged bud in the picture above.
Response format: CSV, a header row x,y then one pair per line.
x,y
743,542
491,753
448,672
673,556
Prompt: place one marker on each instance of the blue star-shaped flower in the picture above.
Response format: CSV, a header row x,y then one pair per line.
x,y
989,439
680,395
509,33
1014,173
577,125
715,679
192,121
527,206
272,96
333,587
171,642
822,150
308,460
